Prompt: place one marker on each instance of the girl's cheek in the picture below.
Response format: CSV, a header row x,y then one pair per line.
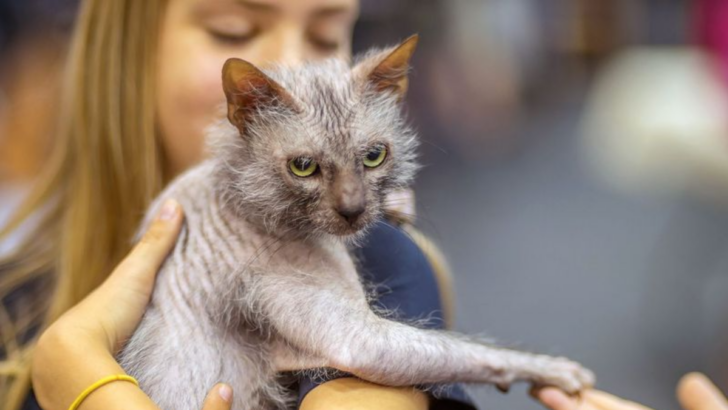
x,y
196,92
210,82
182,113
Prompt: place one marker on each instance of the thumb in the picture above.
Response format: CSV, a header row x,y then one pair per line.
x,y
116,307
219,398
138,270
696,392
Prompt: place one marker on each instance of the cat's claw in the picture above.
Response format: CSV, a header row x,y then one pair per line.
x,y
503,387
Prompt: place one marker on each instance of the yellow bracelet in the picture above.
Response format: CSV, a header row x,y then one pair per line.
x,y
105,380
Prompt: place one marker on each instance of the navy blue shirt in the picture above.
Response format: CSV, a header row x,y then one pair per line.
x,y
405,283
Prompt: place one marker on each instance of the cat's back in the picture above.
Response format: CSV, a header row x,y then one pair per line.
x,y
212,241
175,351
196,190
191,189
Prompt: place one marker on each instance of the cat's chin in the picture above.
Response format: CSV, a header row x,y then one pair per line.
x,y
353,237
346,231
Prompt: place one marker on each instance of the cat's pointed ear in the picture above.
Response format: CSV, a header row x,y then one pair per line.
x,y
388,70
247,89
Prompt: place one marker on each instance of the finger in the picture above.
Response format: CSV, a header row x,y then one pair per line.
x,y
606,401
696,392
115,308
219,398
555,399
139,268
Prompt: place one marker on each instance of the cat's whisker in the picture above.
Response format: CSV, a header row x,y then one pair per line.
x,y
432,144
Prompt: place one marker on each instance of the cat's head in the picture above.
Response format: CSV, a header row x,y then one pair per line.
x,y
316,148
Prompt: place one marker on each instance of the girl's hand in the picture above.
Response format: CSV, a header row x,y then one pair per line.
x,y
694,392
79,348
555,399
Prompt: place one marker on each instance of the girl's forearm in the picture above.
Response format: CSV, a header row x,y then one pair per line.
x,y
356,394
75,367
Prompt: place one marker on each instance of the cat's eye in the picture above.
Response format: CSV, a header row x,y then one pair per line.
x,y
303,167
375,156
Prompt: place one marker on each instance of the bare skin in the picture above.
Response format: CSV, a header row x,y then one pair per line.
x,y
83,337
694,392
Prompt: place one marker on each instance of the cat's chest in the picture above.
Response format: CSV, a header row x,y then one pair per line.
x,y
220,246
320,258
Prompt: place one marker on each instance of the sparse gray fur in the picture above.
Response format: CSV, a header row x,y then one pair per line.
x,y
261,281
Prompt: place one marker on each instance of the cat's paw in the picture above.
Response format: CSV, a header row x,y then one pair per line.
x,y
562,373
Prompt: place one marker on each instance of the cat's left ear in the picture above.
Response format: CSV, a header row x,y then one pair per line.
x,y
387,70
247,89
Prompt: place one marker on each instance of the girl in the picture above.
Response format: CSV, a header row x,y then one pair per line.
x,y
143,83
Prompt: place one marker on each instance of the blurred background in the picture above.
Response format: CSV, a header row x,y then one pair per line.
x,y
576,171
576,176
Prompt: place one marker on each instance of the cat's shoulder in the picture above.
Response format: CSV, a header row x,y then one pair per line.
x,y
189,189
197,177
195,184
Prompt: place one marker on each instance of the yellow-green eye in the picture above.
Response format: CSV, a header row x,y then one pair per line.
x,y
375,156
303,167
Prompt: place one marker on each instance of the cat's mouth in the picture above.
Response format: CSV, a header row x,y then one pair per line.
x,y
343,227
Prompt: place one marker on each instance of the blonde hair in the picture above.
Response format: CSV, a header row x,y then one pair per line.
x,y
106,167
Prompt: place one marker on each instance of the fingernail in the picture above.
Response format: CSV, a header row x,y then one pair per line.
x,y
169,210
226,392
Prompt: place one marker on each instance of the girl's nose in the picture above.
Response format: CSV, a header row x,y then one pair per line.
x,y
290,45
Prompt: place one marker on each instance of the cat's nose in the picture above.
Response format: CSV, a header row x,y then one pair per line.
x,y
351,214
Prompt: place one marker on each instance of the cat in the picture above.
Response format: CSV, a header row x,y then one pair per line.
x,y
260,280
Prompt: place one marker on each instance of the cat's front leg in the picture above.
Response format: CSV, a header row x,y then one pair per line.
x,y
327,317
286,357
432,356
